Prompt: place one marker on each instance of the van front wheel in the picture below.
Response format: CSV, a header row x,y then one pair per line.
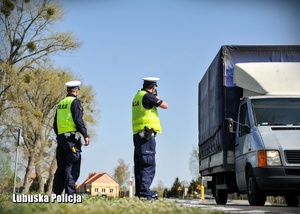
x,y
256,197
292,200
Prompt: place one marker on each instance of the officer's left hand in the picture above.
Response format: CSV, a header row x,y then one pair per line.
x,y
87,141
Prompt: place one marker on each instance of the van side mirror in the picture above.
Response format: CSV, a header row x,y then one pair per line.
x,y
228,125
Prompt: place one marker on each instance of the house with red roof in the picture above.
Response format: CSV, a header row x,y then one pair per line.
x,y
99,184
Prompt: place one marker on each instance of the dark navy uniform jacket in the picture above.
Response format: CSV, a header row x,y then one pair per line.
x,y
77,113
150,100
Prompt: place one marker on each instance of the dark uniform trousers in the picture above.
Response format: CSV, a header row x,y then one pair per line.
x,y
68,164
144,165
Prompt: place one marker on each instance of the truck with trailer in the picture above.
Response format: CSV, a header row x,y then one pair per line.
x,y
249,123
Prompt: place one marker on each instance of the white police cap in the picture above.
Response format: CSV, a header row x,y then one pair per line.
x,y
73,84
151,79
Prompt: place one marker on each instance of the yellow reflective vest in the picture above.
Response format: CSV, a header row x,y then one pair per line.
x,y
64,118
142,117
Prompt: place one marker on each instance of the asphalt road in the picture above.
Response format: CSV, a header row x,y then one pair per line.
x,y
240,206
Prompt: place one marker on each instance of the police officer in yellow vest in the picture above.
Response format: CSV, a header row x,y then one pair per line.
x,y
69,127
145,126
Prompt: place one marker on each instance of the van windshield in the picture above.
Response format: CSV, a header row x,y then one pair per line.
x,y
276,111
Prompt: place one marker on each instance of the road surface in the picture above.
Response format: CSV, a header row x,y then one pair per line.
x,y
239,206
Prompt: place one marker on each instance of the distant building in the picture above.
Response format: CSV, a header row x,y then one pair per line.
x,y
99,184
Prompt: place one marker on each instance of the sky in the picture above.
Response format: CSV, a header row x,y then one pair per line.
x,y
175,40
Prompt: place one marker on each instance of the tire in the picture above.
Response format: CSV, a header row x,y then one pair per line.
x,y
292,200
256,197
221,197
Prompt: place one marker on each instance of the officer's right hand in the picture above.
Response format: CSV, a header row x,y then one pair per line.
x,y
87,141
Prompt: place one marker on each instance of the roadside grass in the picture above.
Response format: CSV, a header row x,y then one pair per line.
x,y
100,205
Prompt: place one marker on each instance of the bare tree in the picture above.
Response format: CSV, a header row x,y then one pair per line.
x,y
160,188
121,173
34,112
27,38
28,34
194,162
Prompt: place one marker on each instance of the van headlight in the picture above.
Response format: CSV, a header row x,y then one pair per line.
x,y
273,158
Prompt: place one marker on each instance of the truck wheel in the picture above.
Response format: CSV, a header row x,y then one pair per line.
x,y
221,197
256,197
292,200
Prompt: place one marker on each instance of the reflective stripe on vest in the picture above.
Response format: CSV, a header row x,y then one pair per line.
x,y
142,117
65,122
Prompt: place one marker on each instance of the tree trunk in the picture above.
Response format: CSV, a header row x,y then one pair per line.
x,y
39,166
52,170
27,178
40,179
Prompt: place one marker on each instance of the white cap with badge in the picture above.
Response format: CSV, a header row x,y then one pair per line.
x,y
150,80
73,84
